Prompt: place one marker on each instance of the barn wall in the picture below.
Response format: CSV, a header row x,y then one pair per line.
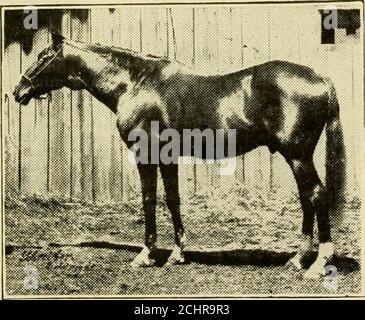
x,y
67,145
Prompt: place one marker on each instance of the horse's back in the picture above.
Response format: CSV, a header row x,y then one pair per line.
x,y
277,103
290,78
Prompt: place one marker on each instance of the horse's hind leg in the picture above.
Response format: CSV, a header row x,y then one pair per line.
x,y
170,179
300,170
314,200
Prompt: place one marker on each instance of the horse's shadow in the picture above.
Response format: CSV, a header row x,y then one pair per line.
x,y
229,257
257,257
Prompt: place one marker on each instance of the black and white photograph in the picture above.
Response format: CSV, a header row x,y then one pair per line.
x,y
182,150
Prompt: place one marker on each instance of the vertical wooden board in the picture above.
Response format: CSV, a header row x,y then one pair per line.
x,y
182,19
134,18
34,131
115,171
60,132
341,73
206,62
27,133
181,30
256,38
75,158
154,31
82,140
284,33
229,60
284,45
357,92
67,118
101,33
206,40
311,52
76,102
11,73
40,141
5,117
130,31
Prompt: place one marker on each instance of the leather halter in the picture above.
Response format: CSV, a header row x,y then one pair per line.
x,y
31,79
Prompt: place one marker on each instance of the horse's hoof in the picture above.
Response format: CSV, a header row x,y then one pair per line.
x,y
317,269
142,259
176,257
314,272
175,261
294,262
142,263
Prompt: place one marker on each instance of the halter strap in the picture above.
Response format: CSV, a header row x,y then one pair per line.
x,y
30,79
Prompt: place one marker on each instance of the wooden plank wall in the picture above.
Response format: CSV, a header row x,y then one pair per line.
x,y
67,145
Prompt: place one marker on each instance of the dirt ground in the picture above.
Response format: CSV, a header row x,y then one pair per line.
x,y
239,218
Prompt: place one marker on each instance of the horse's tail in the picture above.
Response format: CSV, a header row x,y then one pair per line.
x,y
335,153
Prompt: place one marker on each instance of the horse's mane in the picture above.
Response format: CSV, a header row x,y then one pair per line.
x,y
118,51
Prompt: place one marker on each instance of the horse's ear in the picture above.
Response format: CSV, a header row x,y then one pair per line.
x,y
57,39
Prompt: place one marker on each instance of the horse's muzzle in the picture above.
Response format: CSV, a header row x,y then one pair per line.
x,y
22,94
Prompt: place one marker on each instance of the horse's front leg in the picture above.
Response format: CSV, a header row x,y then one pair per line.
x,y
170,179
148,175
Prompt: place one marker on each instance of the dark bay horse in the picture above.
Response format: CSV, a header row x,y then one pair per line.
x,y
277,104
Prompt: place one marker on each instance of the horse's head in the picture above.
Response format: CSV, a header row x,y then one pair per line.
x,y
46,74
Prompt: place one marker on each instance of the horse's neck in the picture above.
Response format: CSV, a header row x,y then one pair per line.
x,y
106,78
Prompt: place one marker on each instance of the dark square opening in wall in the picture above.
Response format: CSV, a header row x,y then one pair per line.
x,y
348,19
